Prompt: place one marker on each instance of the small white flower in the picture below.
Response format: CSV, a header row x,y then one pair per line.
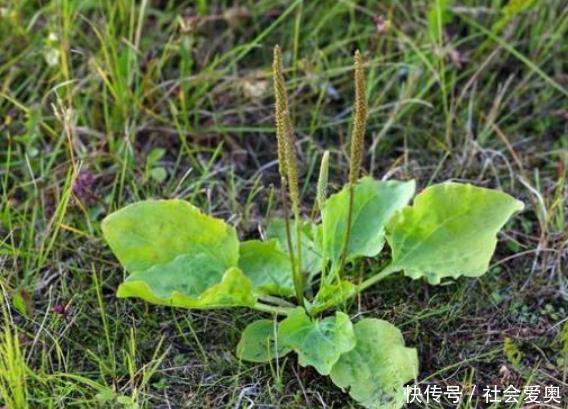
x,y
52,57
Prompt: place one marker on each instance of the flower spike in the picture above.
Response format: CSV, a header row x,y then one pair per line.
x,y
285,133
359,120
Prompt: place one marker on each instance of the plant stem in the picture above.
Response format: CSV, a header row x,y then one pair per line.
x,y
348,231
299,271
276,300
296,276
272,309
385,272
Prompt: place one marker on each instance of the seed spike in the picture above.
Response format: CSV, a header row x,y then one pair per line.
x,y
285,133
280,107
292,168
359,120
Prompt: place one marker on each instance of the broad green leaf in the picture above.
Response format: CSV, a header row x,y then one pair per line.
x,y
311,259
190,274
331,294
259,342
449,231
376,370
153,232
174,285
318,343
267,266
374,203
177,256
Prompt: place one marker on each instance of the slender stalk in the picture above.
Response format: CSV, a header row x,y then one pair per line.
x,y
299,227
272,309
270,299
384,273
348,231
296,274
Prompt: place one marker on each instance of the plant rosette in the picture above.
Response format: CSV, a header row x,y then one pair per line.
x,y
177,256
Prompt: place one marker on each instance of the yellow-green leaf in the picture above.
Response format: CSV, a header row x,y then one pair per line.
x,y
331,294
449,231
177,256
167,287
267,266
259,342
376,370
311,259
374,203
318,343
153,232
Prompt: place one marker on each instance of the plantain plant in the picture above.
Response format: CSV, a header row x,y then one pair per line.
x,y
177,256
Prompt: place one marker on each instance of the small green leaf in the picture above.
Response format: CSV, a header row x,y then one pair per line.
x,y
311,259
171,285
331,294
159,174
318,343
267,266
374,202
513,353
154,232
154,156
376,370
22,302
439,15
105,394
259,342
177,256
19,304
449,231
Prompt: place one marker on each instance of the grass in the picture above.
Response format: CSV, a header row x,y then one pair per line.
x,y
104,103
